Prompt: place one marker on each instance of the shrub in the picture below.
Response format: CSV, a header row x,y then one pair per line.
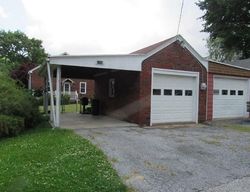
x,y
10,125
16,101
65,99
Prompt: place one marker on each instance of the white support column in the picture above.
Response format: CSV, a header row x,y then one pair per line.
x,y
52,106
58,94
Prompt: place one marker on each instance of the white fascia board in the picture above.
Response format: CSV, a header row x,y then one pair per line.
x,y
175,72
118,62
35,68
185,44
230,65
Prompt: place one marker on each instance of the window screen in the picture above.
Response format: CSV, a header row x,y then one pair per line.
x,y
178,92
156,92
167,91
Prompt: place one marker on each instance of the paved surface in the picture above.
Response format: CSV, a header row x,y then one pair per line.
x,y
80,121
177,160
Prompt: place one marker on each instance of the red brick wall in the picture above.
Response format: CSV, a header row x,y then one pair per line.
x,y
125,104
172,57
38,83
210,88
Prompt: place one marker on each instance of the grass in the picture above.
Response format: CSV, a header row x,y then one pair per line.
x,y
239,128
55,160
211,141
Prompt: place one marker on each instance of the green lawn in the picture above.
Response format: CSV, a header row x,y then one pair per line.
x,y
240,128
55,160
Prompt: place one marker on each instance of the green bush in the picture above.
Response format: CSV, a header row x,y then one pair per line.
x,y
16,101
10,125
65,99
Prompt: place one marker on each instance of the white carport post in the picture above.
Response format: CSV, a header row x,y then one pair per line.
x,y
52,106
58,95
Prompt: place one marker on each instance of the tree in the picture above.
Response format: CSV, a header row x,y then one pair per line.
x,y
17,48
217,53
229,21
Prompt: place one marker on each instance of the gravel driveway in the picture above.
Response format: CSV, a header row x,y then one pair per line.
x,y
176,160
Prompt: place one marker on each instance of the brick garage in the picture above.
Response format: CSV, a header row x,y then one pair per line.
x,y
172,57
132,76
133,89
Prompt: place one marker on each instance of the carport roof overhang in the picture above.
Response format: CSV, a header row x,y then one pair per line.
x,y
129,62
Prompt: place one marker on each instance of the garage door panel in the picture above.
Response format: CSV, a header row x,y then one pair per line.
x,y
228,106
173,108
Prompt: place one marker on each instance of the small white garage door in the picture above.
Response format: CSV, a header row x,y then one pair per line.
x,y
174,98
230,97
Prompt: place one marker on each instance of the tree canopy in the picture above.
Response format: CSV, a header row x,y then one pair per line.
x,y
17,48
228,21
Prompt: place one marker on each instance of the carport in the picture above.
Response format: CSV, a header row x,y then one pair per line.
x,y
91,67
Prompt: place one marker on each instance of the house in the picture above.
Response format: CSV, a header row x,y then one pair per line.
x,y
83,87
166,82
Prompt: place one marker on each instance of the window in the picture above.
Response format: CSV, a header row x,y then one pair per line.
x,y
240,92
67,88
167,91
188,92
83,87
224,92
216,91
111,87
178,92
156,92
232,92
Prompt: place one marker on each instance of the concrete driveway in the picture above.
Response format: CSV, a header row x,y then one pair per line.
x,y
176,160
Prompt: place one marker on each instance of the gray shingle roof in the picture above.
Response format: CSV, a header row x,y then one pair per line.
x,y
242,63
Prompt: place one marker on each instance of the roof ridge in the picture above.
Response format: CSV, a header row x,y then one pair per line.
x,y
150,48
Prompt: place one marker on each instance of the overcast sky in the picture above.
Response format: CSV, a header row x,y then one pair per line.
x,y
102,26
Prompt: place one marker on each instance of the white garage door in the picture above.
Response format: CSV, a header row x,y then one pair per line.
x,y
230,97
174,99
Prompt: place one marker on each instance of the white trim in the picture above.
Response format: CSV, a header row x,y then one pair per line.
x,y
83,82
68,92
177,73
229,77
52,113
230,65
232,78
58,95
127,62
35,68
130,62
68,79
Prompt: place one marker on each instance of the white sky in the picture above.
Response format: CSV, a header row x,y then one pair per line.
x,y
102,26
